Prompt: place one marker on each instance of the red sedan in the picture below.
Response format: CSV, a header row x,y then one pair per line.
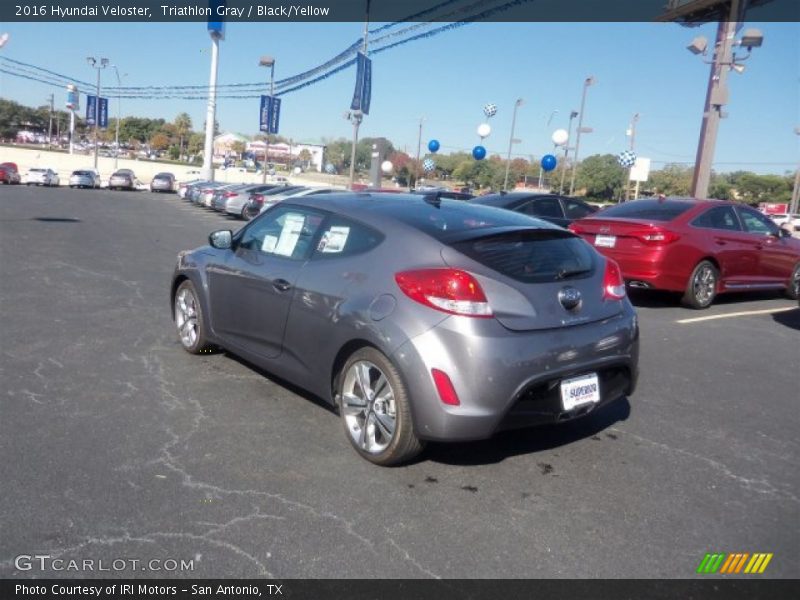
x,y
9,173
698,247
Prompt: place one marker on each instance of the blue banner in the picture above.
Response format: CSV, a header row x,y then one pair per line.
x,y
270,115
91,107
103,113
363,92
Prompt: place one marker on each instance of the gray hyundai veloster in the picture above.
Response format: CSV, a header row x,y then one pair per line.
x,y
419,318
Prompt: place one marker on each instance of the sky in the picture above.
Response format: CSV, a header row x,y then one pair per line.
x,y
447,79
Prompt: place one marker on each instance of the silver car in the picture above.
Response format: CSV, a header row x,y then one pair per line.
x,y
163,182
236,199
84,178
419,319
123,179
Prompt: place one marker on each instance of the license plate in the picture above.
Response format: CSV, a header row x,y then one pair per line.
x,y
605,241
580,390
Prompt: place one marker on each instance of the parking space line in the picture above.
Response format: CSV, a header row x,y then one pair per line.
x,y
738,314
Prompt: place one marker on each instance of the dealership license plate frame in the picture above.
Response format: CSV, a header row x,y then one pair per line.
x,y
605,241
570,403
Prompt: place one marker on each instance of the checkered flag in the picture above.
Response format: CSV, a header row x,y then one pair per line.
x,y
490,110
428,165
626,159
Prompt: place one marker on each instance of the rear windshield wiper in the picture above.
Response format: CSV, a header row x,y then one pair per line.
x,y
564,273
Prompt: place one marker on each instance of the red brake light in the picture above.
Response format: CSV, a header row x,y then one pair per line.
x,y
613,283
448,290
229,194
656,237
575,228
257,199
447,393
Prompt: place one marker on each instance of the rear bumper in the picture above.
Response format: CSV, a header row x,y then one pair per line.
x,y
507,379
656,268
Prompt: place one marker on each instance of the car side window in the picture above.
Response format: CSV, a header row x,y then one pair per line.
x,y
286,232
343,237
719,217
543,207
755,222
576,210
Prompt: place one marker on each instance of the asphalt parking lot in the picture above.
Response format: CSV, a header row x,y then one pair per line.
x,y
118,444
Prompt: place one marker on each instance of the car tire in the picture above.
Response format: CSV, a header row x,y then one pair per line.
x,y
702,286
189,319
793,289
245,214
379,427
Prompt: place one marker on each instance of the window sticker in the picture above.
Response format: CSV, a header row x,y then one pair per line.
x,y
270,241
292,227
334,240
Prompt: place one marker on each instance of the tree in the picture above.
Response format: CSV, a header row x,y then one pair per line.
x,y
601,177
183,126
159,142
305,156
238,147
195,143
671,180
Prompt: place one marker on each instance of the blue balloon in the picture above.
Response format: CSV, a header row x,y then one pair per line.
x,y
433,146
479,152
549,162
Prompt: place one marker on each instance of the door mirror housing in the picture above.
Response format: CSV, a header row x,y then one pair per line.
x,y
221,240
783,233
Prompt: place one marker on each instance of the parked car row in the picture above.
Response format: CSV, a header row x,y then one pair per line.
x,y
242,200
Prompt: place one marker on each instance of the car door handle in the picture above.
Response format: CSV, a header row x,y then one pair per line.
x,y
721,242
281,285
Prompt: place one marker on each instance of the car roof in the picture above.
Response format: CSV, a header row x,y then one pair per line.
x,y
404,208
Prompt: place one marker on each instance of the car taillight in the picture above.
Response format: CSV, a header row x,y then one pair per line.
x,y
613,283
447,393
576,228
257,199
656,237
448,290
229,194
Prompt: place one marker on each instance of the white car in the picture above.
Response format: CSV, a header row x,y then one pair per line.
x,y
790,222
298,193
41,176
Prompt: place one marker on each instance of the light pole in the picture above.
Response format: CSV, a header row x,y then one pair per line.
x,y
357,115
419,150
268,61
723,62
103,64
572,115
211,109
119,115
517,104
3,39
587,82
632,133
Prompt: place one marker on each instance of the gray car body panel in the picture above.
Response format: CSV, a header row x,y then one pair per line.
x,y
339,304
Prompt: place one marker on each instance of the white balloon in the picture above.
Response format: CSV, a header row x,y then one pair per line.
x,y
484,130
560,137
387,166
297,170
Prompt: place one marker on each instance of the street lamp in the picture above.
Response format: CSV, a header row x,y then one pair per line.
x,y
268,61
572,116
511,140
717,90
92,62
587,82
119,114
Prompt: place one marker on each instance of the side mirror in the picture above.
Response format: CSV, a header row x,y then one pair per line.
x,y
784,233
221,240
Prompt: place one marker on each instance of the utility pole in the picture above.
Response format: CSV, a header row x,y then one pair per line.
x,y
793,206
357,116
589,81
50,125
632,130
119,116
517,104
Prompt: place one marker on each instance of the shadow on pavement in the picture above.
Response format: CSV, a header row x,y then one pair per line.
x,y
528,441
661,299
790,318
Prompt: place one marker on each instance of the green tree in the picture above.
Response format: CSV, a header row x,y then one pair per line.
x,y
601,177
159,142
671,180
183,126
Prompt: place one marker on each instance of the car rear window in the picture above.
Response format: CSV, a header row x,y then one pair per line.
x,y
500,200
445,218
656,210
532,256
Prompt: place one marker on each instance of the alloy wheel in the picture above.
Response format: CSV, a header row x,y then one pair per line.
x,y
368,406
704,285
186,317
